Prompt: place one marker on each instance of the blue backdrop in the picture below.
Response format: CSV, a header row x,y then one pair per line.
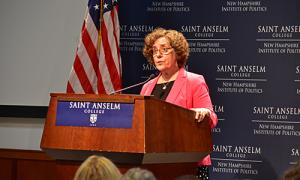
x,y
248,51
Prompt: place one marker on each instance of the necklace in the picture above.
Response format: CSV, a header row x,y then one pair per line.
x,y
165,85
170,79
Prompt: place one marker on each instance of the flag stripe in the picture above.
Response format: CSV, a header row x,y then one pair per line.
x,y
88,67
116,31
105,73
91,52
69,88
74,84
82,77
109,58
92,30
112,40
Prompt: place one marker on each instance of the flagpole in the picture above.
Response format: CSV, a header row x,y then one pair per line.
x,y
100,24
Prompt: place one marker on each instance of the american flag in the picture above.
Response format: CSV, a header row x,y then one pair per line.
x,y
97,66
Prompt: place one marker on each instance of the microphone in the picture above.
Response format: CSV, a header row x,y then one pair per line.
x,y
132,86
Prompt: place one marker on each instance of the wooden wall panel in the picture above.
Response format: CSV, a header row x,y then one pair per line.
x,y
6,169
35,169
36,165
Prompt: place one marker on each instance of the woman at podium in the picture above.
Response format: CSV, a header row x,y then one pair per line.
x,y
168,51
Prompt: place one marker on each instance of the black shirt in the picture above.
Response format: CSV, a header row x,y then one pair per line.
x,y
162,91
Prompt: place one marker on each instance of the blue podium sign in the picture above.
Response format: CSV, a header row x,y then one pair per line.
x,y
94,114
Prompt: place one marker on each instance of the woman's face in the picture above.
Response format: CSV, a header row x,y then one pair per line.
x,y
164,55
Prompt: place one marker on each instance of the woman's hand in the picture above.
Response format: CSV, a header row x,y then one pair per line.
x,y
201,113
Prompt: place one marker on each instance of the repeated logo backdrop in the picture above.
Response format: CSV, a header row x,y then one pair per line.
x,y
249,53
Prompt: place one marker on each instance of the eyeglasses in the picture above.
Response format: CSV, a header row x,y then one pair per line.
x,y
164,51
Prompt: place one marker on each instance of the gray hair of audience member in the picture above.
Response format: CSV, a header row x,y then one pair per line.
x,y
138,174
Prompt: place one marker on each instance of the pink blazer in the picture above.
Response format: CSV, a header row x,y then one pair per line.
x,y
189,91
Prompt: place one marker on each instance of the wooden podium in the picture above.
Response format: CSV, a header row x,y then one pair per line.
x,y
161,133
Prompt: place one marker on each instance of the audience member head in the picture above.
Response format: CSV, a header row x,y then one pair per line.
x,y
293,173
138,174
97,168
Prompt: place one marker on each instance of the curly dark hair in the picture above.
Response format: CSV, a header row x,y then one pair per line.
x,y
177,41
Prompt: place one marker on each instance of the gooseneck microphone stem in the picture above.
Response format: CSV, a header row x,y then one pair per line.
x,y
132,86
